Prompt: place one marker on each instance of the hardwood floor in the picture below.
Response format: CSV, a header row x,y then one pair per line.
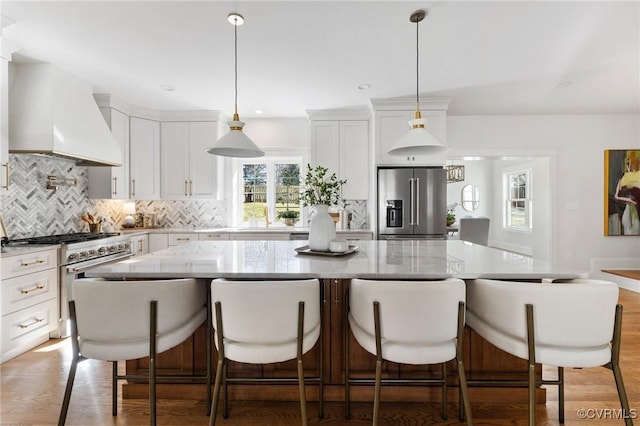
x,y
32,386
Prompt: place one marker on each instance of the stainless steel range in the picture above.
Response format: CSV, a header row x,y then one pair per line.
x,y
79,252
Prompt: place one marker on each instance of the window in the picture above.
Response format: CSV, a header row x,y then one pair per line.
x,y
518,203
269,186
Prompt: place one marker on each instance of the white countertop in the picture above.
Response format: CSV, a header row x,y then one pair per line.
x,y
402,259
270,229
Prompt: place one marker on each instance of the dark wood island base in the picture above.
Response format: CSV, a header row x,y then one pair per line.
x,y
481,360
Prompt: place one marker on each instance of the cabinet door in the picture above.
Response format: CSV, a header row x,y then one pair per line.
x,y
140,244
354,159
112,182
158,242
145,159
202,165
174,156
325,145
391,126
4,125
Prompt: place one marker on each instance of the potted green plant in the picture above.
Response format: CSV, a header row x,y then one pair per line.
x,y
451,218
289,217
320,190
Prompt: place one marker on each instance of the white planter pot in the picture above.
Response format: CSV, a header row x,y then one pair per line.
x,y
322,229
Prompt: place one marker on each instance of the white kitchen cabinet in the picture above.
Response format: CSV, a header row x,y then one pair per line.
x,y
6,52
343,147
177,239
158,242
391,126
140,244
213,236
188,171
28,301
112,182
257,236
144,157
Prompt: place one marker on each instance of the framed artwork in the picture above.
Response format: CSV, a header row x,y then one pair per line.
x,y
622,192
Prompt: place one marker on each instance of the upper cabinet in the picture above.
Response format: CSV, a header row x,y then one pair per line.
x,y
112,182
188,171
342,145
6,52
144,159
392,123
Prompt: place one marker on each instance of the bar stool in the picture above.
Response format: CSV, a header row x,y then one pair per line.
x,y
408,322
263,322
568,323
123,320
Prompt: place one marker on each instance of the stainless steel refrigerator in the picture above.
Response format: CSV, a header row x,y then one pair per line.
x,y
412,202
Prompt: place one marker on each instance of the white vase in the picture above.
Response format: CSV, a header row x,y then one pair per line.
x,y
322,229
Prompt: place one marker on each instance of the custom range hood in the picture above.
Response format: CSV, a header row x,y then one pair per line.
x,y
53,112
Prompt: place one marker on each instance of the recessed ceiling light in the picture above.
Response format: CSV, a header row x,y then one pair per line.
x,y
167,87
364,86
258,111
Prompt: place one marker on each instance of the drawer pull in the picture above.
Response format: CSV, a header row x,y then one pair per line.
x,y
32,323
36,288
6,182
183,239
37,262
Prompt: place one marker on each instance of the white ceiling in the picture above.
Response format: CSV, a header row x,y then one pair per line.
x,y
504,57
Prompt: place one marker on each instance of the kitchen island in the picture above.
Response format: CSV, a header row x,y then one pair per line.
x,y
388,259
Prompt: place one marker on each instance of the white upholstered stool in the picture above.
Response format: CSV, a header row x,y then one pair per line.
x,y
262,322
123,320
408,322
573,323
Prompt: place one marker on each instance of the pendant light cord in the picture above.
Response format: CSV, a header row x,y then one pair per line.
x,y
235,59
417,69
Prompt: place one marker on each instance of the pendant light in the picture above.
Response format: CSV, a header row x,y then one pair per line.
x,y
235,143
418,140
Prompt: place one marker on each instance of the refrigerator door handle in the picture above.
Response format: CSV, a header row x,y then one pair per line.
x,y
417,198
412,206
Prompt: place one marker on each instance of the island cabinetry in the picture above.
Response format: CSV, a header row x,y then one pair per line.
x,y
187,170
340,142
144,159
28,304
112,182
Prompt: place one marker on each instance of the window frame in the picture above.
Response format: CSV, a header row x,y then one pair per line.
x,y
508,199
238,193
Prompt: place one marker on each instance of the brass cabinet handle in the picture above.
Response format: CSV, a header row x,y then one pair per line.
x,y
6,175
336,300
183,239
115,185
190,188
186,188
133,187
38,261
139,246
34,322
29,290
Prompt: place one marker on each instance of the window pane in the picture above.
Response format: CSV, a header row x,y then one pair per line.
x,y
255,190
287,187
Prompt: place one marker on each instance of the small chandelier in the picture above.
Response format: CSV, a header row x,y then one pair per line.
x,y
235,143
418,140
455,173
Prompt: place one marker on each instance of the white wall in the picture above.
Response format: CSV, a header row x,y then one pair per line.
x,y
574,145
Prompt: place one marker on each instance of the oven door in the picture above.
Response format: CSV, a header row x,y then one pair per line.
x,y
68,273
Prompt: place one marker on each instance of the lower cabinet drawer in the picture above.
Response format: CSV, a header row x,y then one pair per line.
x,y
213,236
176,239
22,292
20,327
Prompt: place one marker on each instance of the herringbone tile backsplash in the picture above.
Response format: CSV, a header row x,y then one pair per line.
x,y
30,209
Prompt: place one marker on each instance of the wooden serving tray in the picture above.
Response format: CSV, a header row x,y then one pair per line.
x,y
307,250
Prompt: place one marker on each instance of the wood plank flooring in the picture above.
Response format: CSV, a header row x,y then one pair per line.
x,y
32,386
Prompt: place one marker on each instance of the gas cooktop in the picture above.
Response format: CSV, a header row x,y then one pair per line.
x,y
75,237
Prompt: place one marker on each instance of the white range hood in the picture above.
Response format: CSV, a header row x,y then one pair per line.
x,y
53,112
